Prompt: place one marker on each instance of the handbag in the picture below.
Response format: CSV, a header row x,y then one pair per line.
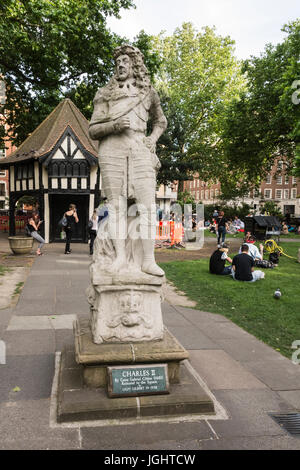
x,y
63,221
27,231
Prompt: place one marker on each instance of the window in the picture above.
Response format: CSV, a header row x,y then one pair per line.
x,y
2,153
268,193
216,192
280,165
212,194
286,179
2,189
24,171
294,180
286,193
294,193
197,196
202,194
279,179
268,179
278,194
206,194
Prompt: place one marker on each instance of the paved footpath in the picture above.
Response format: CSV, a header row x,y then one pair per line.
x,y
248,378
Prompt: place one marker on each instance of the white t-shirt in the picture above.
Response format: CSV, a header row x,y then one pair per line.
x,y
253,251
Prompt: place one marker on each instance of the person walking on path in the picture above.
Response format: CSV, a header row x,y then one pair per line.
x,y
33,227
243,267
218,259
93,228
221,227
72,218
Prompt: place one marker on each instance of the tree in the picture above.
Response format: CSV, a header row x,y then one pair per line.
x,y
261,125
199,75
50,50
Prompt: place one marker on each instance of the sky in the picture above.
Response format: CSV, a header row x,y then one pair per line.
x,y
251,23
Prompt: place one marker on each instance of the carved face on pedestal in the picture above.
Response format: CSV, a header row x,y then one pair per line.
x,y
123,67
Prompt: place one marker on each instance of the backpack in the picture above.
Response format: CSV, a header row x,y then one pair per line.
x,y
274,258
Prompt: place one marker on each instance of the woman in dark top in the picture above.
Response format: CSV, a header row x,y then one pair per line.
x,y
72,218
222,226
33,226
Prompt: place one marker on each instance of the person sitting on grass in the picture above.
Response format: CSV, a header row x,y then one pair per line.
x,y
243,267
254,252
218,259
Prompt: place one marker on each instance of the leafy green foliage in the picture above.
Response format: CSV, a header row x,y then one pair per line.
x,y
50,50
260,125
198,77
271,208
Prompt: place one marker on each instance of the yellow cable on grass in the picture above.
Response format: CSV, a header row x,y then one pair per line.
x,y
272,247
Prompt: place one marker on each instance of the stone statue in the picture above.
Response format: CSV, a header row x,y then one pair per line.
x,y
125,292
127,156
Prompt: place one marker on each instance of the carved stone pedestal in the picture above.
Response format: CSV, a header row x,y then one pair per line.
x,y
125,307
82,389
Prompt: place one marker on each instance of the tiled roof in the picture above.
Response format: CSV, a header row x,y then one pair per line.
x,y
45,136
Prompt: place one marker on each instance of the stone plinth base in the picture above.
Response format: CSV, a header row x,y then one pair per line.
x,y
77,402
125,307
95,358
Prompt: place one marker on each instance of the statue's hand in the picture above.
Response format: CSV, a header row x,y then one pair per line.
x,y
121,124
150,143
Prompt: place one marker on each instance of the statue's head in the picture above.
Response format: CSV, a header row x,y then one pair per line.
x,y
130,63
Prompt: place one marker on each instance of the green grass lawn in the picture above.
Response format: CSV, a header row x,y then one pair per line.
x,y
249,305
208,234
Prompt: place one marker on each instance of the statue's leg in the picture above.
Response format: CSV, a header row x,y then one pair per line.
x,y
112,168
117,223
147,208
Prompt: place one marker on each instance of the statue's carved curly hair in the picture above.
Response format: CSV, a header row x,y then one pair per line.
x,y
140,71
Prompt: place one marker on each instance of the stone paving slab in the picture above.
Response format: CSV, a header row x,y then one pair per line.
x,y
276,374
192,338
252,443
40,322
225,330
25,425
32,374
248,411
24,343
247,349
35,307
145,435
197,317
64,339
222,372
293,398
174,319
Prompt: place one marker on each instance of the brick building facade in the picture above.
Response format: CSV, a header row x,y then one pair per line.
x,y
279,187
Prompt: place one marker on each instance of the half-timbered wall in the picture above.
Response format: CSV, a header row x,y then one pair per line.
x,y
68,168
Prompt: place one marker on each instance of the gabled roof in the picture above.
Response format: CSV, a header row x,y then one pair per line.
x,y
46,135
